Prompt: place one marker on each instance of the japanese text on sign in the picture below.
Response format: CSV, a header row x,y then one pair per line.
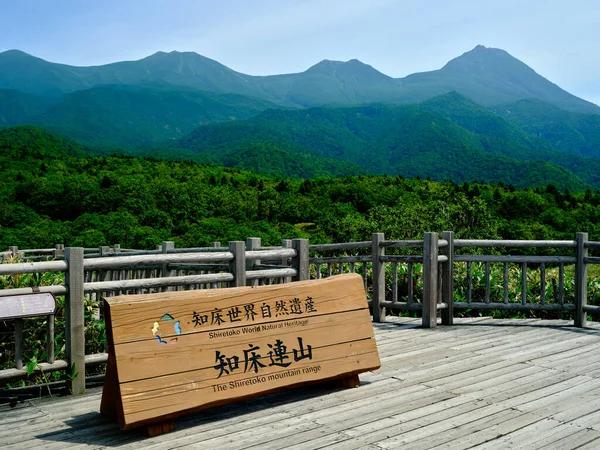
x,y
251,359
247,313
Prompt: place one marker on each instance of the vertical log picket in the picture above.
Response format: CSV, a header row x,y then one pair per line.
x,y
238,265
448,279
377,252
74,320
217,244
50,338
300,262
430,280
286,243
252,244
59,251
581,280
165,272
19,344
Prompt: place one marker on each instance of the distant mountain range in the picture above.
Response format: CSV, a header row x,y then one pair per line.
x,y
488,76
485,115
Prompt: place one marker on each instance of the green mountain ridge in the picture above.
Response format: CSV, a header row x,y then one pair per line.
x,y
405,140
573,133
510,138
130,116
29,74
488,76
17,108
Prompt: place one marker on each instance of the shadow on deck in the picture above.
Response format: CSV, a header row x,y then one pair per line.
x,y
490,384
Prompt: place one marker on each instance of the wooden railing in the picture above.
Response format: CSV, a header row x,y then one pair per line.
x,y
143,272
438,261
430,277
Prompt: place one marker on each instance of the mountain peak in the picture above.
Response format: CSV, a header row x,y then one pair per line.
x,y
482,48
174,54
18,55
353,68
14,51
482,58
327,65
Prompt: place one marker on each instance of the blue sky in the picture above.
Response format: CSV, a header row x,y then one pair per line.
x,y
559,39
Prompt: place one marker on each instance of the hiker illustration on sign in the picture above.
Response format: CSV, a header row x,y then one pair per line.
x,y
277,353
235,314
176,327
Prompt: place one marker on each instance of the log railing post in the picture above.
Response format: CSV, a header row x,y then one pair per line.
x,y
252,244
430,280
581,280
300,262
237,266
377,251
74,320
448,279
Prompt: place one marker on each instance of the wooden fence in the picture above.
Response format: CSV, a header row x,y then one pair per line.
x,y
430,277
116,273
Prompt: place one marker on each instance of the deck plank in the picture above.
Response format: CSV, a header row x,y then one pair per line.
x,y
484,383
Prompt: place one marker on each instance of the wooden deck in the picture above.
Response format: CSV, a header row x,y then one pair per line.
x,y
483,383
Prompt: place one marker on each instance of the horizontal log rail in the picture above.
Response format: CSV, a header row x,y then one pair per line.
x,y
270,273
147,283
167,258
340,246
33,267
515,306
58,365
401,244
270,254
56,290
516,259
513,243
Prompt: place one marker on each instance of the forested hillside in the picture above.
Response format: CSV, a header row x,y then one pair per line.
x,y
52,193
131,116
446,138
484,116
572,133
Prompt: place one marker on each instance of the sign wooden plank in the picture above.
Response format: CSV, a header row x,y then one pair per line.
x,y
27,305
177,352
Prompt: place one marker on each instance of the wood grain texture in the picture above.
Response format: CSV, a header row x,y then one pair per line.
x,y
159,428
430,277
74,318
176,352
482,383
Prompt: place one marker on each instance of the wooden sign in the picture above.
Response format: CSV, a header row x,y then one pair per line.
x,y
177,352
27,305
